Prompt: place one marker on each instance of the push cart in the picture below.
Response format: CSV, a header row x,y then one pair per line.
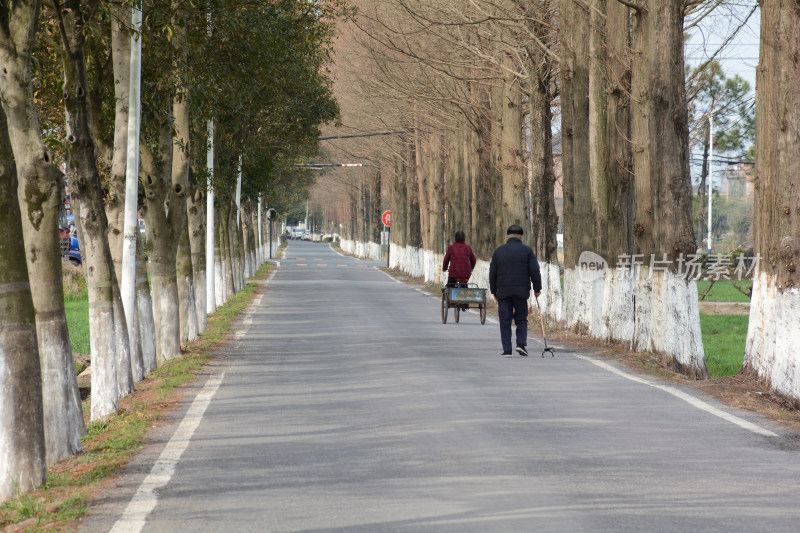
x,y
461,297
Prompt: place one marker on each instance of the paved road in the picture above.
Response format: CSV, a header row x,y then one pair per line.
x,y
346,405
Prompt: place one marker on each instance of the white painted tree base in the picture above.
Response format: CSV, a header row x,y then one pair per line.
x,y
105,393
772,348
658,314
199,277
63,417
369,250
551,300
146,328
188,312
220,287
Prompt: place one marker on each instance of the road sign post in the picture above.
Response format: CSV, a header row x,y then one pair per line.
x,y
386,218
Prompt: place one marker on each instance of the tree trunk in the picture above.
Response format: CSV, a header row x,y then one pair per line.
x,y
115,199
579,236
145,322
228,252
108,330
414,231
544,222
598,129
421,179
618,300
162,241
773,334
238,233
180,181
196,222
515,184
435,180
186,292
666,312
485,178
254,252
39,194
619,166
220,259
22,434
399,203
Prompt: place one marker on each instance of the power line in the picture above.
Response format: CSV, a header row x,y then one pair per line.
x,y
365,135
319,166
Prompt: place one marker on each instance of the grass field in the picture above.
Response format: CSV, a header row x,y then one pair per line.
x,y
724,291
723,342
77,308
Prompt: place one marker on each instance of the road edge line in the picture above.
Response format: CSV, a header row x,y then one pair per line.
x,y
688,398
146,497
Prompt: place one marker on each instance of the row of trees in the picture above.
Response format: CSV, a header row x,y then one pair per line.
x,y
474,92
233,95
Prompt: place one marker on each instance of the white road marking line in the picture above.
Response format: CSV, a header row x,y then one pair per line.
x,y
146,497
389,276
688,398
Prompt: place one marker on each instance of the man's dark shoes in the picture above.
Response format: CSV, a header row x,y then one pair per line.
x,y
522,350
506,354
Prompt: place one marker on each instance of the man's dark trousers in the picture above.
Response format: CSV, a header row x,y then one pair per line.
x,y
517,309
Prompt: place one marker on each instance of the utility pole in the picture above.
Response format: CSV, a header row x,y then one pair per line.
x,y
211,299
710,170
131,223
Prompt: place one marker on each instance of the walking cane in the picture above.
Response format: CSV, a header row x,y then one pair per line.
x,y
544,337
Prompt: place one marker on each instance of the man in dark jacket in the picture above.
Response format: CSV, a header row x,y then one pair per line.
x,y
459,260
513,269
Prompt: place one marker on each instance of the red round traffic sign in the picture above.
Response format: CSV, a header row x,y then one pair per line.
x,y
386,217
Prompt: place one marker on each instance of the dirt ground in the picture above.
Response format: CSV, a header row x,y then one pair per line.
x,y
725,308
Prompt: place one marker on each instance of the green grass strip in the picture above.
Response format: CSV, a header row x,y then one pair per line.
x,y
109,444
723,342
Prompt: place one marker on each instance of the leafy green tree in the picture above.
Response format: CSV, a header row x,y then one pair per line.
x,y
730,105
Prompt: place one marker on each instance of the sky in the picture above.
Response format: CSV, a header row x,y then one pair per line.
x,y
741,55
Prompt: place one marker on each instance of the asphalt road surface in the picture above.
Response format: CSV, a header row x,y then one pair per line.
x,y
345,404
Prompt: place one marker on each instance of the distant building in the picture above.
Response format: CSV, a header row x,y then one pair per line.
x,y
737,181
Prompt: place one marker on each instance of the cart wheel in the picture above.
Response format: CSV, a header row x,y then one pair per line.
x,y
457,312
483,314
444,308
